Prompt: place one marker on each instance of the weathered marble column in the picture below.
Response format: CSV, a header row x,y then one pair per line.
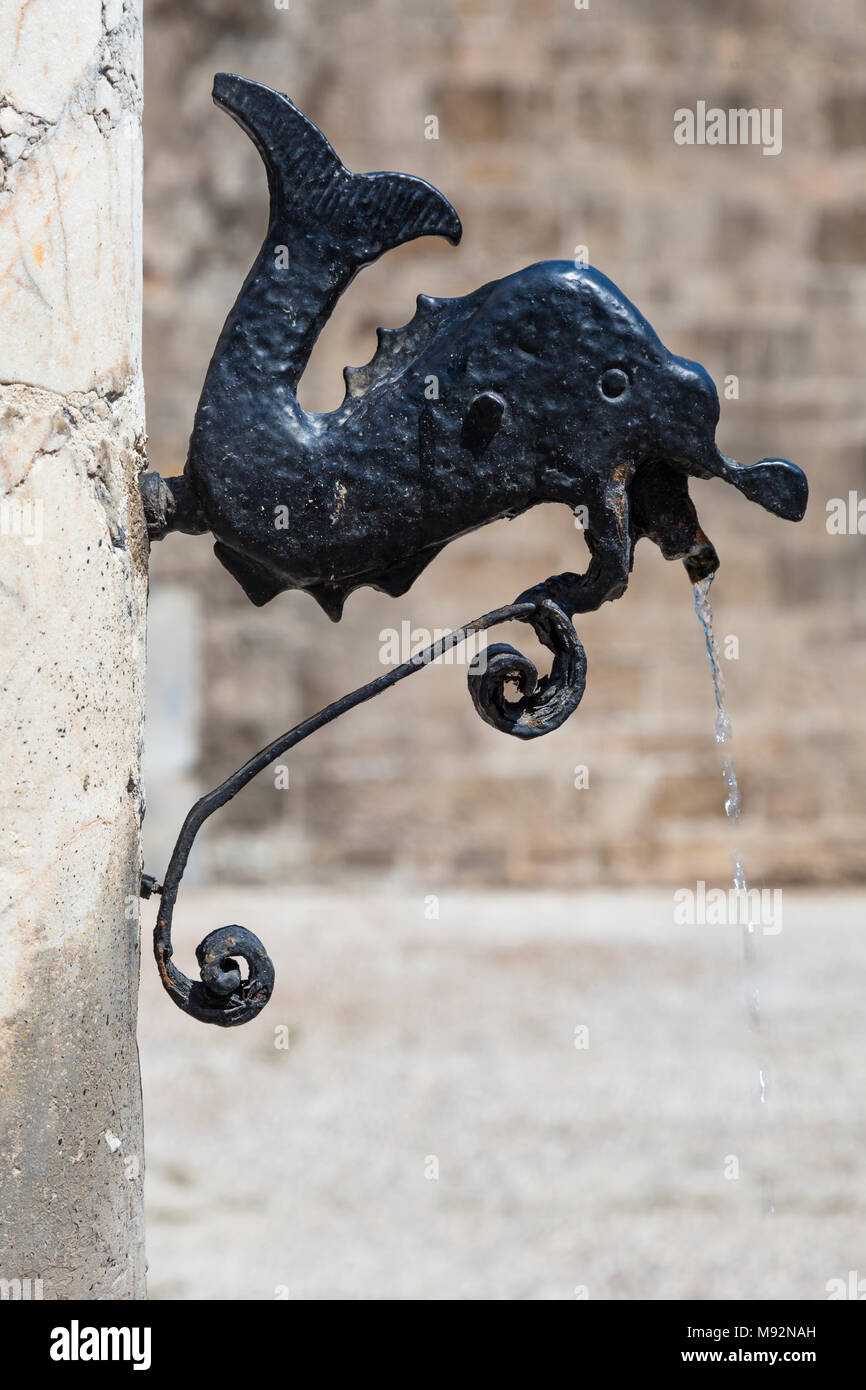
x,y
73,578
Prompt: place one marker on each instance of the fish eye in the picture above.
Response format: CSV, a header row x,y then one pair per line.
x,y
613,383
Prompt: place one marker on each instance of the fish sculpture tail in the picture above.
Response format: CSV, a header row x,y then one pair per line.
x,y
325,222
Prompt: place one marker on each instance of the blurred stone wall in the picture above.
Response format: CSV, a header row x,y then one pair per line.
x,y
555,131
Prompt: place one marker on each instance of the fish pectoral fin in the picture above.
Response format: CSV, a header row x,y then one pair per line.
x,y
258,583
482,422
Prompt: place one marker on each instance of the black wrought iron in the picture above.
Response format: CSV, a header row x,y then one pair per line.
x,y
545,386
223,996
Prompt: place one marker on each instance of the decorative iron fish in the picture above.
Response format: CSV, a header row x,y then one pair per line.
x,y
544,386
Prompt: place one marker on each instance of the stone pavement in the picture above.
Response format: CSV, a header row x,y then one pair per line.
x,y
419,1045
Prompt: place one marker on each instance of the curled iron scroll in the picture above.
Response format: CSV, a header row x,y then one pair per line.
x,y
223,995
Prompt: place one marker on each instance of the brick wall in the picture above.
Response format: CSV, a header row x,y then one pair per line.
x,y
555,130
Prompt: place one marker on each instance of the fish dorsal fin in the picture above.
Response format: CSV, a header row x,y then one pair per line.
x,y
396,348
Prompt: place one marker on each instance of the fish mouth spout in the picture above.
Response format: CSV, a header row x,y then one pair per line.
x,y
775,484
702,561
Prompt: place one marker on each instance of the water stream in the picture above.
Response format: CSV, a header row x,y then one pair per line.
x,y
750,928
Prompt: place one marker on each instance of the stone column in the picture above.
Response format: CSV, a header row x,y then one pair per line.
x,y
73,588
